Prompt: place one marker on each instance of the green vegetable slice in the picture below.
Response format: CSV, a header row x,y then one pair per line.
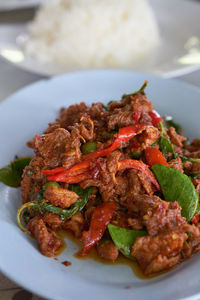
x,y
50,183
124,238
11,175
88,147
177,187
135,154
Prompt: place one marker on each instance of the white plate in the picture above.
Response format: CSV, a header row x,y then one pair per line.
x,y
178,54
18,4
27,112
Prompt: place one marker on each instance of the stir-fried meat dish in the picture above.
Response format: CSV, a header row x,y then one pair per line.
x,y
121,178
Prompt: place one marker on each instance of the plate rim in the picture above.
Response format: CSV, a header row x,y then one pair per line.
x,y
17,5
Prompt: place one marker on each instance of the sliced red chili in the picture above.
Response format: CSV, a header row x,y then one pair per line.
x,y
100,219
53,171
154,156
124,135
138,165
68,179
155,118
76,169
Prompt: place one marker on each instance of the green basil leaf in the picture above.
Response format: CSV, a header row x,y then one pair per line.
x,y
64,214
165,145
177,187
11,175
141,90
164,142
124,238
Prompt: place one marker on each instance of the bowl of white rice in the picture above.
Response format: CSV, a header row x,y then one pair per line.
x,y
88,34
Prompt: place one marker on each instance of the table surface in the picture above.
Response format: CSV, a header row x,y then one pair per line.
x,y
12,79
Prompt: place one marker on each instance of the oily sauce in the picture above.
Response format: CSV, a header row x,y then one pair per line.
x,y
121,260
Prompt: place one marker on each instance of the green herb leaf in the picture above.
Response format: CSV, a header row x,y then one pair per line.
x,y
165,145
141,90
164,142
124,238
177,187
171,123
64,214
191,159
11,175
77,206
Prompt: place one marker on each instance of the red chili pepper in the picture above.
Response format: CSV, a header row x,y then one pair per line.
x,y
76,169
68,179
136,115
136,145
195,219
154,156
138,165
100,219
155,118
53,171
124,135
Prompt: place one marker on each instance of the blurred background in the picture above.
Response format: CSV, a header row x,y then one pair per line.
x,y
43,38
40,38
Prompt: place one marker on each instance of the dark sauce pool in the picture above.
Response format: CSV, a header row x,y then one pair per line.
x,y
121,260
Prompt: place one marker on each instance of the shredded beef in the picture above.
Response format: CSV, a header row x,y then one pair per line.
x,y
120,119
60,197
26,187
157,215
47,240
153,253
147,137
97,111
176,164
76,224
175,138
53,221
71,115
107,250
51,147
170,238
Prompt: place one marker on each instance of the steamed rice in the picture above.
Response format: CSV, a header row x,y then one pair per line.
x,y
83,34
